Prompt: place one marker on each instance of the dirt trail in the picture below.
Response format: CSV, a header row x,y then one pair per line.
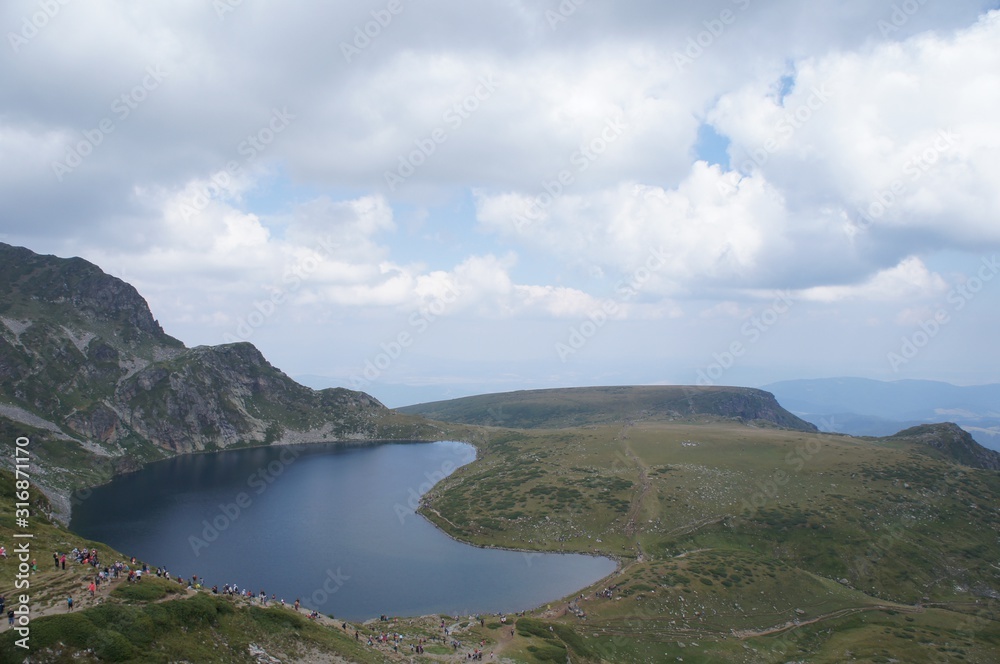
x,y
777,629
635,509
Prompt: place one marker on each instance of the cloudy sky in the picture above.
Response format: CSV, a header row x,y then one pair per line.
x,y
434,199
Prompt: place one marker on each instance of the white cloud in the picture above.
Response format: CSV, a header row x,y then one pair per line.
x,y
694,236
900,136
900,127
909,280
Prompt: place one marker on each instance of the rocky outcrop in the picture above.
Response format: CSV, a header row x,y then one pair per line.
x,y
80,349
952,442
79,290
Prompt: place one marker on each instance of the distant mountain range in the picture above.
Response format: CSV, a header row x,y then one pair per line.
x,y
864,407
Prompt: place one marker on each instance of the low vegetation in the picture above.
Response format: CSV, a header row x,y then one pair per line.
x,y
736,543
743,544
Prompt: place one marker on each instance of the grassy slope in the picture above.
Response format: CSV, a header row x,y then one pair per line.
x,y
730,534
580,406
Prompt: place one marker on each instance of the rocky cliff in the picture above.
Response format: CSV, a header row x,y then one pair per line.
x,y
950,441
86,366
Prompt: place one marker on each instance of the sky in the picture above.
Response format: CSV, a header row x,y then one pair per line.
x,y
425,200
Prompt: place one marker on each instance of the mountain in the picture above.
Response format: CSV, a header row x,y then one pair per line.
x,y
951,442
578,406
87,370
864,407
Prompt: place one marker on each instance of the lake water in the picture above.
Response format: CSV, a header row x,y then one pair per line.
x,y
331,525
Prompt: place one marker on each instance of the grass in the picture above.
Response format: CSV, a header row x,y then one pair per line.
x,y
201,628
736,536
737,543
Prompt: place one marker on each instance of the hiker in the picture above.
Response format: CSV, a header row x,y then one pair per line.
x,y
69,603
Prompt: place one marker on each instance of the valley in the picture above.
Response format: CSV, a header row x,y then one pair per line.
x,y
742,533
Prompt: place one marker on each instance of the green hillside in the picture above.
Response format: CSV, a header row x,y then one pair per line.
x,y
743,544
568,407
743,534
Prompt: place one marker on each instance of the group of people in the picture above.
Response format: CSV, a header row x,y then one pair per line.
x,y
607,592
395,641
133,571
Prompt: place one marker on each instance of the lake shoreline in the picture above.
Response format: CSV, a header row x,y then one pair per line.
x,y
432,467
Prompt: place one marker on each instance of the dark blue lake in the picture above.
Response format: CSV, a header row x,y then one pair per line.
x,y
330,525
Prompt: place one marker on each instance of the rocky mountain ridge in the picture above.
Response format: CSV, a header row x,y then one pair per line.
x,y
951,442
86,366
